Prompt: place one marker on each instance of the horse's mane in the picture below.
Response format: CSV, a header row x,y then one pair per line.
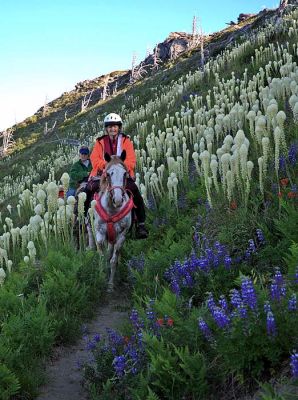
x,y
115,160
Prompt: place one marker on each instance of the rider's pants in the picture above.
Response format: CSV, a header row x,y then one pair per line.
x,y
137,199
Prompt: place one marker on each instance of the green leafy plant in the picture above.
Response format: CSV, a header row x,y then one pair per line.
x,y
174,371
9,384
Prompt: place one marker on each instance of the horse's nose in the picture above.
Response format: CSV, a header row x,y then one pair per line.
x,y
118,202
117,197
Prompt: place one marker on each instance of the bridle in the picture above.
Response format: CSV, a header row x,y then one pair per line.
x,y
110,189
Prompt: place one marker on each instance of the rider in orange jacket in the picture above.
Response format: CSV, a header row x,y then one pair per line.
x,y
105,143
113,143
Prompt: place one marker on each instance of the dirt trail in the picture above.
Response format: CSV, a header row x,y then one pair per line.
x,y
64,376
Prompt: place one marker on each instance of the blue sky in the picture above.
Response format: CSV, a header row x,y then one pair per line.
x,y
47,46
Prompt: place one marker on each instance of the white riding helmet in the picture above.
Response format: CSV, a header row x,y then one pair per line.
x,y
112,119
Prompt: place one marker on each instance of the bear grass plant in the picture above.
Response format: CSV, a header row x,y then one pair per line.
x,y
42,305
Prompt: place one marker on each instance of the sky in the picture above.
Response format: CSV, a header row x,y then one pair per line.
x,y
47,46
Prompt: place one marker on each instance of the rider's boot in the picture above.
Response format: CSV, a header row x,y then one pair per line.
x,y
141,231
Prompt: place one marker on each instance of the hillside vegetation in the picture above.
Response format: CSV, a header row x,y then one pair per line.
x,y
214,287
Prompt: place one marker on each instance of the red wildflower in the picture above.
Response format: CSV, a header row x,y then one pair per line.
x,y
284,182
61,194
170,322
279,194
159,321
233,205
126,339
292,195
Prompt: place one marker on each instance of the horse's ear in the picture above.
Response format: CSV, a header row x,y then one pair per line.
x,y
123,155
107,157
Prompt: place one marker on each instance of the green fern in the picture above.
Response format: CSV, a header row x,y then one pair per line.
x,y
9,384
291,259
288,225
151,395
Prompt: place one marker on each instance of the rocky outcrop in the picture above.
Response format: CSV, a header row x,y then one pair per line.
x,y
242,17
174,45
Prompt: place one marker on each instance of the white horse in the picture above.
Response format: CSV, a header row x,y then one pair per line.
x,y
113,211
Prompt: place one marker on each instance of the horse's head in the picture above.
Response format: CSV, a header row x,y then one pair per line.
x,y
115,177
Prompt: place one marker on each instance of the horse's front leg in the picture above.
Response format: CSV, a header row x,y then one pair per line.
x,y
100,240
114,259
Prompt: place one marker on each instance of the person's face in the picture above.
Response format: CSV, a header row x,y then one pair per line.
x,y
84,157
113,130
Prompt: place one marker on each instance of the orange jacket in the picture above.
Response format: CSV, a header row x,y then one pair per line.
x,y
97,156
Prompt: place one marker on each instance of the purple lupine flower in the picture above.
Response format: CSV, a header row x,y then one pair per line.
x,y
223,302
248,293
247,254
119,364
182,202
188,280
91,345
278,278
267,307
175,287
227,262
270,324
114,338
211,303
277,288
96,338
292,154
132,353
283,290
242,311
204,328
236,299
139,338
274,291
260,237
292,305
237,302
220,317
294,364
136,322
282,163
203,264
150,315
137,263
251,246
296,276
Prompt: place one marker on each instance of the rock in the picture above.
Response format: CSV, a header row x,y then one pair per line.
x,y
243,17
